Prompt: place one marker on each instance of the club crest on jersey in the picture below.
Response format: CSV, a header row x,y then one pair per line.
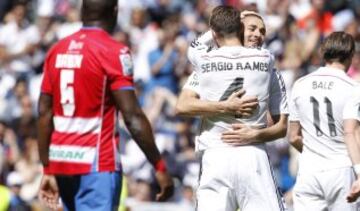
x,y
127,64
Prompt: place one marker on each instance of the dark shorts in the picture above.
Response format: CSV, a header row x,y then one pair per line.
x,y
98,191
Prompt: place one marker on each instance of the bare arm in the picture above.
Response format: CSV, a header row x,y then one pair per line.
x,y
49,191
295,134
141,131
137,123
243,134
189,104
45,127
352,141
277,130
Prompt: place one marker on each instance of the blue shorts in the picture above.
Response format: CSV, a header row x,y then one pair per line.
x,y
98,191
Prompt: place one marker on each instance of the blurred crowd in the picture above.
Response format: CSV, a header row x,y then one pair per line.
x,y
158,33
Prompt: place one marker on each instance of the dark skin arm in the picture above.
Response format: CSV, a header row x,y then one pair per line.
x,y
45,126
49,191
140,129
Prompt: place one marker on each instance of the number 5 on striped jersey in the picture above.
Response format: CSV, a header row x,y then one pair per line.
x,y
67,92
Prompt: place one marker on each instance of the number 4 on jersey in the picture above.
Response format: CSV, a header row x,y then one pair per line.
x,y
235,86
67,92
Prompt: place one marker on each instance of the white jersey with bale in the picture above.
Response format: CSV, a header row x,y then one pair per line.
x,y
317,102
225,70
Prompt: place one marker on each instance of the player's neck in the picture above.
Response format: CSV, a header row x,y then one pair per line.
x,y
229,42
337,65
98,24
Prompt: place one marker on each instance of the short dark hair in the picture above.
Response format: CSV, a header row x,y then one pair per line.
x,y
225,21
338,47
95,10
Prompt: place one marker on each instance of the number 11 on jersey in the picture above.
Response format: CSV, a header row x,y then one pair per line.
x,y
67,92
329,114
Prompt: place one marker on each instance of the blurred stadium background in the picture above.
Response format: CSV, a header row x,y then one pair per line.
x,y
158,32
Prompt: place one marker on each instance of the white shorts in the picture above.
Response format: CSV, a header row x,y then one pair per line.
x,y
237,177
324,191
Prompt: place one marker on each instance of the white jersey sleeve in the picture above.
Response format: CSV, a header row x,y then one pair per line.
x,y
192,83
352,108
199,47
293,111
277,96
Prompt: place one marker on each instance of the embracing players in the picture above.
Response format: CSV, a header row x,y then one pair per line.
x,y
234,176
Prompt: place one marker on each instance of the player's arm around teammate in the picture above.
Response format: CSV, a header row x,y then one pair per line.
x,y
189,103
254,35
242,134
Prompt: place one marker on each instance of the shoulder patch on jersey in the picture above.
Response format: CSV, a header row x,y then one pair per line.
x,y
127,64
194,43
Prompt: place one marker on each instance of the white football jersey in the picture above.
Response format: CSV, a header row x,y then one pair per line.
x,y
225,70
317,102
192,83
277,98
352,108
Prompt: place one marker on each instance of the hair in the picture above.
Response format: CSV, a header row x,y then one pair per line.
x,y
225,21
95,10
247,13
338,47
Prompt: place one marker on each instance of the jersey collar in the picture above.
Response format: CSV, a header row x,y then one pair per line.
x,y
333,70
94,30
91,28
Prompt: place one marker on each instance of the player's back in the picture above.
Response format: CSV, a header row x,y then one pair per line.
x,y
78,79
226,70
80,74
319,101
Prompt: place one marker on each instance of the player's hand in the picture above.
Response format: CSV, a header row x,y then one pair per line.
x,y
354,191
241,105
240,135
166,186
49,192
